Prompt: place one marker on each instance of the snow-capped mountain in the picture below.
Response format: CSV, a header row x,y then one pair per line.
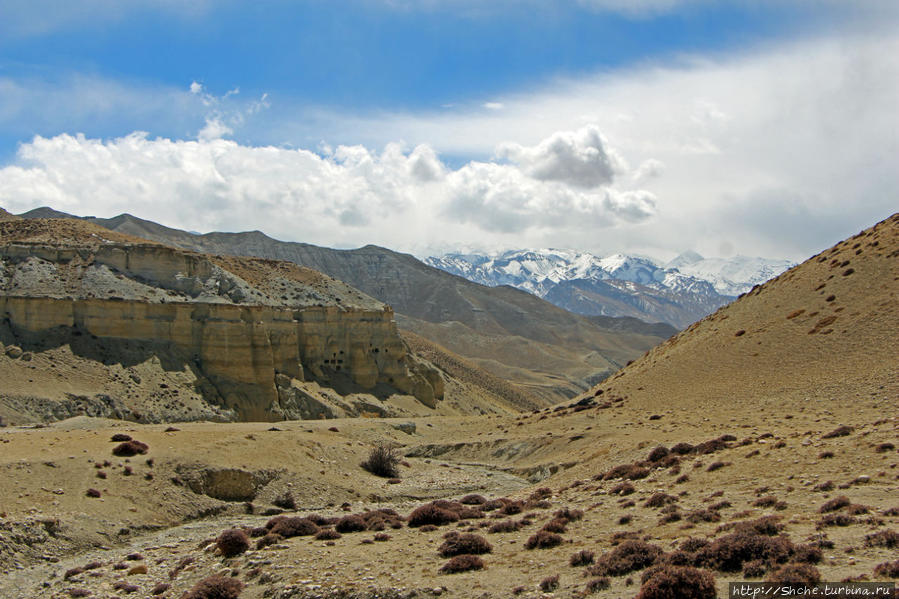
x,y
679,292
730,276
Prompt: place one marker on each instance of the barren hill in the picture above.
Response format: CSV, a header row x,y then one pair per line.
x,y
529,342
824,330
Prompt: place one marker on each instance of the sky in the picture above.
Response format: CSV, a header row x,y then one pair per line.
x,y
755,127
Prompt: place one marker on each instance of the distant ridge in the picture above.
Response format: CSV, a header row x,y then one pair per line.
x,y
680,292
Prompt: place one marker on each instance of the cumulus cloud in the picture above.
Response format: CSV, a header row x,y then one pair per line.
x,y
579,158
346,195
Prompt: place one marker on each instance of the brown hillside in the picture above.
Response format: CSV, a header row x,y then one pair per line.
x,y
825,329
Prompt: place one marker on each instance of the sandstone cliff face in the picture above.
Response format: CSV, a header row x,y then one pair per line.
x,y
250,339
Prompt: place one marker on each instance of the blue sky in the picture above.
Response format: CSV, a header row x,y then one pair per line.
x,y
469,126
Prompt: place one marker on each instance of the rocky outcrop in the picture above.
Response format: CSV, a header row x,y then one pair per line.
x,y
242,349
248,328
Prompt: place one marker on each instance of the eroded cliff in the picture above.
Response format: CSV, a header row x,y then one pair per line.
x,y
263,340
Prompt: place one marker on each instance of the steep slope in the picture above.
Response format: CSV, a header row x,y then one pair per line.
x,y
824,330
514,335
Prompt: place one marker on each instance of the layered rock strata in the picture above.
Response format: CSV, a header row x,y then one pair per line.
x,y
249,336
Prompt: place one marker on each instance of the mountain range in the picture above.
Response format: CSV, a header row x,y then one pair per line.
x,y
679,292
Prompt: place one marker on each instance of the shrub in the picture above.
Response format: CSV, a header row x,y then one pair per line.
x,y
120,437
584,557
627,557
79,593
794,573
72,573
825,455
767,501
670,517
730,552
558,525
215,587
660,500
754,569
383,461
569,514
598,584
511,508
430,513
708,515
682,582
121,585
268,540
836,519
624,488
825,486
160,588
541,493
460,544
382,536
130,448
295,527
625,519
327,534
884,447
550,583
806,554
840,431
473,500
766,525
462,563
285,501
693,545
505,526
232,542
887,569
543,539
352,523
716,466
711,446
883,538
658,453
92,493
682,449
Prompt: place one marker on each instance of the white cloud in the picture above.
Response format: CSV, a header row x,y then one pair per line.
x,y
347,196
494,105
214,129
813,119
778,151
580,158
